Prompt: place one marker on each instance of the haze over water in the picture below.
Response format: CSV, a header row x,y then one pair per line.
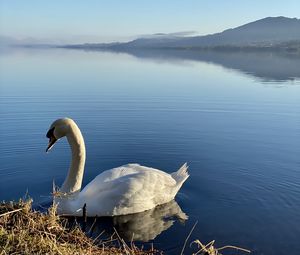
x,y
236,125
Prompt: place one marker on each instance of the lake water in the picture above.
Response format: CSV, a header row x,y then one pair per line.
x,y
234,117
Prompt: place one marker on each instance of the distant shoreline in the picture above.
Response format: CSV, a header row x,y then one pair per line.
x,y
295,48
292,48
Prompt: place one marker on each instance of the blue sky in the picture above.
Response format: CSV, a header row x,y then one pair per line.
x,y
108,20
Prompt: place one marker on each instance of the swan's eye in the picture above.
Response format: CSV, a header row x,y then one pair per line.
x,y
50,133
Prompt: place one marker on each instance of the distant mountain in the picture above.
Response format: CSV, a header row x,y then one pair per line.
x,y
267,32
270,33
272,30
6,41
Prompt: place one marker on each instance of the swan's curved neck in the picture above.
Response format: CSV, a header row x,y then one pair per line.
x,y
74,178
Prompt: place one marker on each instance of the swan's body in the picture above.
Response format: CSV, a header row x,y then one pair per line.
x,y
123,190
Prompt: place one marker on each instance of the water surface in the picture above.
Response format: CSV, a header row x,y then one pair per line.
x,y
235,124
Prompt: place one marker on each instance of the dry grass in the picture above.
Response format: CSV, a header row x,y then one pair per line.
x,y
25,231
210,249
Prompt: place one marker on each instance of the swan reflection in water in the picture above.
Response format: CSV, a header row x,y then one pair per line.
x,y
147,225
144,226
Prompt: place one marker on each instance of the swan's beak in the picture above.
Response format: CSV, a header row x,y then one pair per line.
x,y
52,141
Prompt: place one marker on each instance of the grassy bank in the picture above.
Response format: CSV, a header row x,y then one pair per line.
x,y
25,231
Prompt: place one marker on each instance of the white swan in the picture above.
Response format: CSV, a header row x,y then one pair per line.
x,y
123,190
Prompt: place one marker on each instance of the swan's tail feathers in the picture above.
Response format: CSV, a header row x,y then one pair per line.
x,y
182,174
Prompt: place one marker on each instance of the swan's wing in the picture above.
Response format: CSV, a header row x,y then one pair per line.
x,y
128,189
118,172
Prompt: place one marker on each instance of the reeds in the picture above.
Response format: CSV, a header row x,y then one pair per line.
x,y
210,249
25,231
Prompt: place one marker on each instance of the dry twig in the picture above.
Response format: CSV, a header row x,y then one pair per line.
x,y
209,249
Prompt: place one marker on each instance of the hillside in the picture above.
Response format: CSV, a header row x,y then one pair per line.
x,y
272,30
267,32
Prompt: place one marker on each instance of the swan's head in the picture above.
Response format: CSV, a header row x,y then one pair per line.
x,y
57,130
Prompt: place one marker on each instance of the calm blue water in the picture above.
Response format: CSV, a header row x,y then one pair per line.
x,y
233,117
